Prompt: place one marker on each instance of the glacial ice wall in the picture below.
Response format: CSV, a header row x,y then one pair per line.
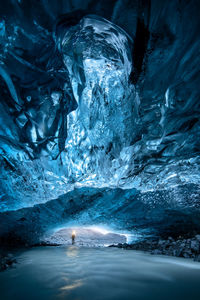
x,y
161,213
97,55
107,97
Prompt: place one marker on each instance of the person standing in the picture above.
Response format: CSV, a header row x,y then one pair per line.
x,y
73,237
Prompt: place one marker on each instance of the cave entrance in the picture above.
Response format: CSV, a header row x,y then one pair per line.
x,y
89,236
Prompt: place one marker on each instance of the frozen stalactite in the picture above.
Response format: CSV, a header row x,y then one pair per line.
x,y
97,55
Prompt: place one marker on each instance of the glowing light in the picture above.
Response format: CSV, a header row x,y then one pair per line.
x,y
99,229
72,251
76,284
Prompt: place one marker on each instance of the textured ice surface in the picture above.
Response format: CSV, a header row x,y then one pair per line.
x,y
171,212
97,55
92,102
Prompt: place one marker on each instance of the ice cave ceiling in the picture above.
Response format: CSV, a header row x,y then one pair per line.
x,y
100,94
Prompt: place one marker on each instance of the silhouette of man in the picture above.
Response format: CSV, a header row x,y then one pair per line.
x,y
73,237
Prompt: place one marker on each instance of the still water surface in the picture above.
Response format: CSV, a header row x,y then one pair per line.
x,y
75,273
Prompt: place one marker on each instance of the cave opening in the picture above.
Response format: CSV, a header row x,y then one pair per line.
x,y
88,236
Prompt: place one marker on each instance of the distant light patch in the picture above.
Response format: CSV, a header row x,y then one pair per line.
x,y
89,236
99,229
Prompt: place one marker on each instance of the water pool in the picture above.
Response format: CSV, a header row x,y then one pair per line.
x,y
99,273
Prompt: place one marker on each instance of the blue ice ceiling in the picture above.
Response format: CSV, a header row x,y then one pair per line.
x,y
97,94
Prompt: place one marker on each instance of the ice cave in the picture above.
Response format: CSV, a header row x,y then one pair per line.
x,y
99,149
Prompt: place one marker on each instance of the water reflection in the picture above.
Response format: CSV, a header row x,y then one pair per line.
x,y
72,251
74,273
75,284
69,288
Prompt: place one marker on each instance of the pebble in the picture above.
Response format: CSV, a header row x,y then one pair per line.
x,y
188,248
6,261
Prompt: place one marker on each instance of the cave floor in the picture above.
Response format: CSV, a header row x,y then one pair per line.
x,y
71,272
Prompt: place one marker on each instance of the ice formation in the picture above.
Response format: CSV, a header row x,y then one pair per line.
x,y
97,55
103,97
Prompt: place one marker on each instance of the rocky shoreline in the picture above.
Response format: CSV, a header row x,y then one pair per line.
x,y
180,247
6,261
